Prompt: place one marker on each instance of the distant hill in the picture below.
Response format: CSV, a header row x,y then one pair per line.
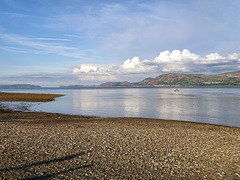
x,y
177,79
19,86
170,79
117,84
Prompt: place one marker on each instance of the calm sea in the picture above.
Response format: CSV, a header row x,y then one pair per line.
x,y
215,105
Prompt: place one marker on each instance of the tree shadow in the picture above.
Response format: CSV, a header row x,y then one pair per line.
x,y
25,166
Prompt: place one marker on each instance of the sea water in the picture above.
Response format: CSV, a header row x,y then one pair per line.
x,y
215,105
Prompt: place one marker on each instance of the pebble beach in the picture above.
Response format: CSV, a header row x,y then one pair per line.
x,y
38,145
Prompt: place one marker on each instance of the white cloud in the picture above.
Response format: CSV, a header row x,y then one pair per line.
x,y
53,39
136,66
93,72
21,50
176,56
175,61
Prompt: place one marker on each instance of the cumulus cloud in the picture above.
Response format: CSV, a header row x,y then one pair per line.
x,y
176,56
176,61
136,66
92,72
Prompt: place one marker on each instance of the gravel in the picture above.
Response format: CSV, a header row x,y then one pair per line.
x,y
56,146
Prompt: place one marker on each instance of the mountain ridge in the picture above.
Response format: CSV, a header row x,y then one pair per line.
x,y
179,79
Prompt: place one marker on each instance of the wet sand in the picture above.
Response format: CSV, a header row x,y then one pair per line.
x,y
58,146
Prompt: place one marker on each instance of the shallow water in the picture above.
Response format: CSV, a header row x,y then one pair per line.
x,y
205,104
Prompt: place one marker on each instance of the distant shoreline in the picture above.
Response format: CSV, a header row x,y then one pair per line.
x,y
99,87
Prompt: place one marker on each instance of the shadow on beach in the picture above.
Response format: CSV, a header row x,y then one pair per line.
x,y
47,162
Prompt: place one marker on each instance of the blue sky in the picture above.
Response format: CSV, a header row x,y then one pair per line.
x,y
61,42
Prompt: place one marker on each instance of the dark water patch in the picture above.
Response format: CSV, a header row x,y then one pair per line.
x,y
17,106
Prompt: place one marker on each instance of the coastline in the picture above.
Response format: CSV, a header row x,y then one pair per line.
x,y
60,146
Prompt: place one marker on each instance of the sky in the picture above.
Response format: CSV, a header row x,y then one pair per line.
x,y
86,42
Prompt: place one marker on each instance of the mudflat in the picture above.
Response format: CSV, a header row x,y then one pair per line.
x,y
59,146
28,97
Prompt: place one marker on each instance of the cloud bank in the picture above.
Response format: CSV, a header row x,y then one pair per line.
x,y
42,79
166,62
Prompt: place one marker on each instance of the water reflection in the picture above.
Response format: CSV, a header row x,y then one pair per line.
x,y
131,103
83,101
99,103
